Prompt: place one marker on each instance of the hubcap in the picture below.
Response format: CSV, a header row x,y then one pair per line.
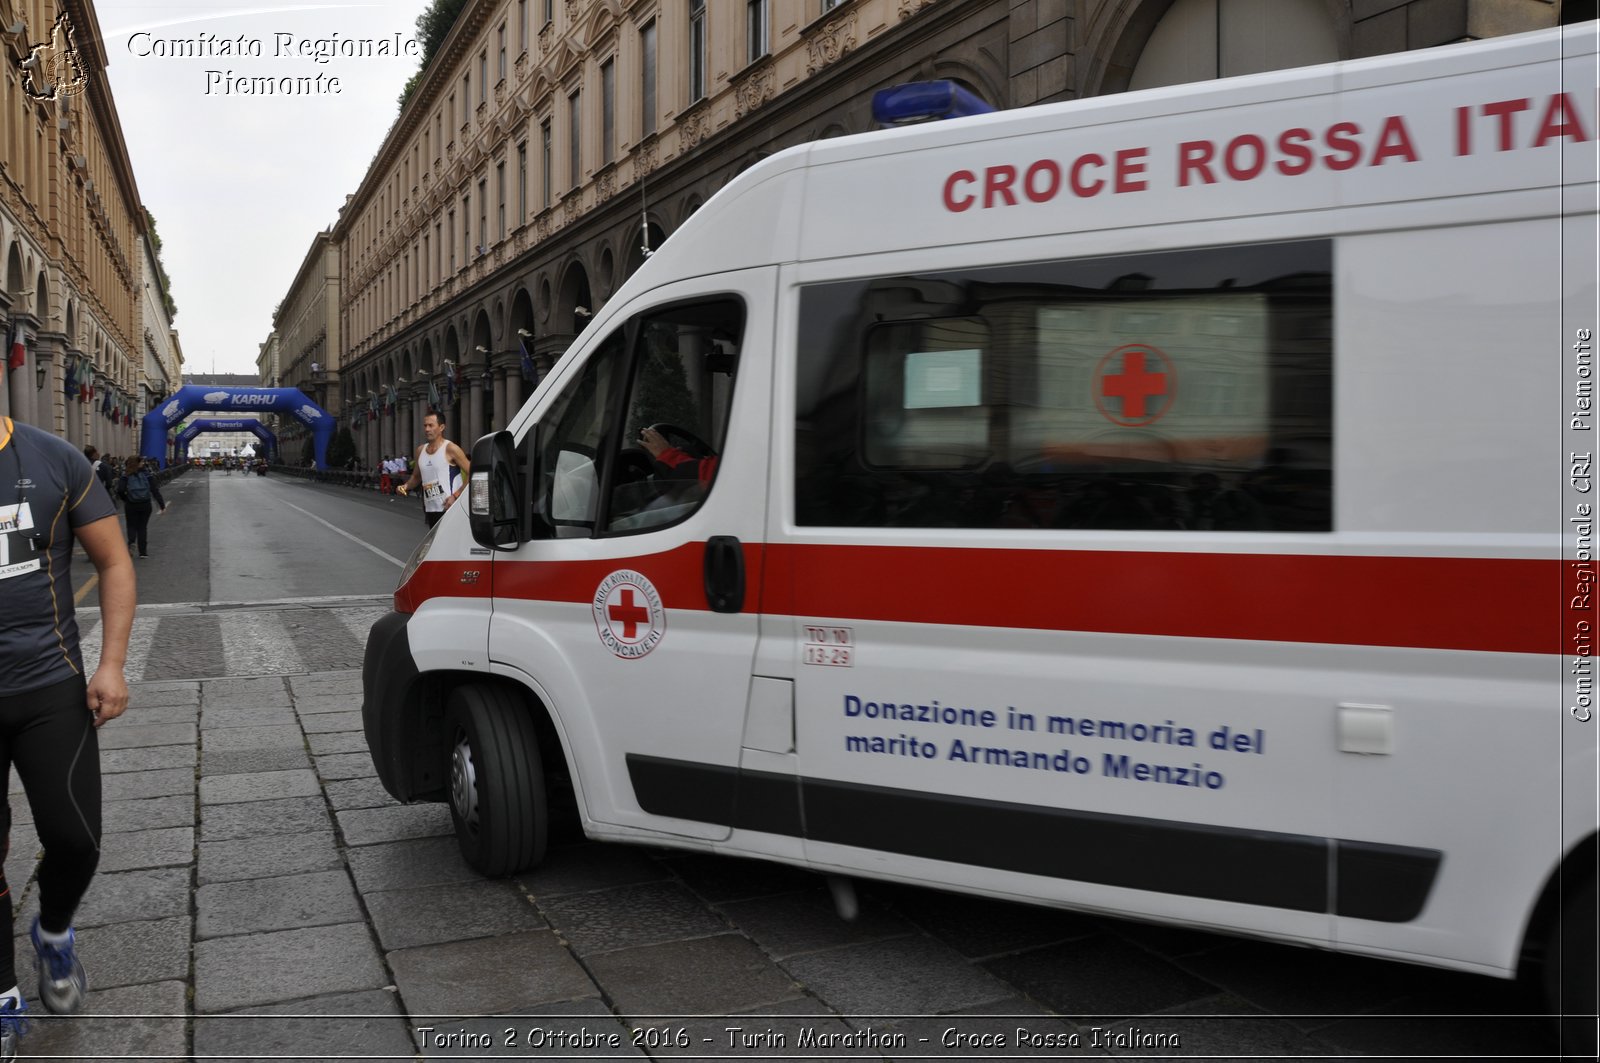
x,y
464,783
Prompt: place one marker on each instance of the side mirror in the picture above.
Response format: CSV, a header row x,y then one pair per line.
x,y
494,499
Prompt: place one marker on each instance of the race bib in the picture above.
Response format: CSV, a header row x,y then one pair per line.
x,y
20,552
433,491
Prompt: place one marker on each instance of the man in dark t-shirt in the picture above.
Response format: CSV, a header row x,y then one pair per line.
x,y
49,710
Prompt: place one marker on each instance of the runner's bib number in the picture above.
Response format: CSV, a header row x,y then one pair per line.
x,y
433,492
19,552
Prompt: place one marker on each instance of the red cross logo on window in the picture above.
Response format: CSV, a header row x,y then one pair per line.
x,y
1135,385
629,614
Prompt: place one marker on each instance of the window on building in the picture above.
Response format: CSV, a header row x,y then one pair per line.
x,y
544,164
608,111
438,243
483,215
697,50
452,242
483,76
466,96
522,25
466,230
1178,391
522,182
1196,40
502,43
549,11
500,208
575,139
755,27
647,79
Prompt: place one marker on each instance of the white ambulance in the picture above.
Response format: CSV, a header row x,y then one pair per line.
x,y
1167,505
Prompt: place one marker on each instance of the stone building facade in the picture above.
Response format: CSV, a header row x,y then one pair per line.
x,y
306,336
73,238
552,143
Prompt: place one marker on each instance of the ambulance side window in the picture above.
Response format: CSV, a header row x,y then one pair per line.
x,y
1177,391
573,444
678,402
634,441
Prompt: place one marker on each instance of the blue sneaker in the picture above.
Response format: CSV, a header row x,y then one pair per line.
x,y
62,983
13,1027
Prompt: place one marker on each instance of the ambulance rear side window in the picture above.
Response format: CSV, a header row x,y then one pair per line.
x,y
1177,391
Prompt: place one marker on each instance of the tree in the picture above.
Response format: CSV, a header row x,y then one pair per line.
x,y
433,26
161,268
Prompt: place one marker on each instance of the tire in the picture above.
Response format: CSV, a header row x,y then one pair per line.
x,y
497,790
1570,988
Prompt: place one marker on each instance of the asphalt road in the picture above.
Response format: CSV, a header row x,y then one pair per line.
x,y
253,866
244,538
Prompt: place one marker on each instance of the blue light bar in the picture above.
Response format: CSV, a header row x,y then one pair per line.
x,y
922,101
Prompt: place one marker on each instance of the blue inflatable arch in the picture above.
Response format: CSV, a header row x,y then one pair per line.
x,y
269,441
191,397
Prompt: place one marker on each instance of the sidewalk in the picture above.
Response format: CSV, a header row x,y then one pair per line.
x,y
260,896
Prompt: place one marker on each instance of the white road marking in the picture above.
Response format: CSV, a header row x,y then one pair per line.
x,y
140,638
359,621
334,528
258,644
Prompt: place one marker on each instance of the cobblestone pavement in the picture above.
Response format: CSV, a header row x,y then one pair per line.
x,y
260,896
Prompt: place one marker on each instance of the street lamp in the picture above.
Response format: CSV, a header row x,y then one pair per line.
x,y
40,372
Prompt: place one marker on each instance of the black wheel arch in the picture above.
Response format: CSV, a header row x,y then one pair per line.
x,y
404,716
1580,866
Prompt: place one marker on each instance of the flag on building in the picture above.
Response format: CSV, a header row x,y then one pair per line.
x,y
529,370
16,347
68,383
433,395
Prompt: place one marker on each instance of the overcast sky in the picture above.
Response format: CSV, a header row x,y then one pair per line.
x,y
240,184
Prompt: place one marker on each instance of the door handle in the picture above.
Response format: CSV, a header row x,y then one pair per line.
x,y
724,574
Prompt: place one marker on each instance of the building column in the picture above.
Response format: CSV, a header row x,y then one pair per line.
x,y
513,394
501,396
474,426
19,382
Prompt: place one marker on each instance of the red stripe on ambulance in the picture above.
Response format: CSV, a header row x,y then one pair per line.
x,y
1507,605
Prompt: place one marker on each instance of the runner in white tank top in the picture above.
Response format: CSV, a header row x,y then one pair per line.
x,y
436,460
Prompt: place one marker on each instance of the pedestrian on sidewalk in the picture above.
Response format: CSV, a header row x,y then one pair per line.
x,y
441,467
104,469
138,489
50,495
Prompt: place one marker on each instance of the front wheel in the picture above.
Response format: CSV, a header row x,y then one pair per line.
x,y
497,791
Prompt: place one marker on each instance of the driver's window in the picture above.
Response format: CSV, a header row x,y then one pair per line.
x,y
676,414
569,472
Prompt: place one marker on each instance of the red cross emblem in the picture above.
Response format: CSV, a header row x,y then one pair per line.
x,y
628,614
1135,385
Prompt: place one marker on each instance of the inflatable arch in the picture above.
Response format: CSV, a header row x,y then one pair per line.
x,y
191,397
269,441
